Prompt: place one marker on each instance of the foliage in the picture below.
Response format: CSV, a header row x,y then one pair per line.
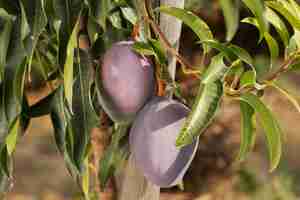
x,y
45,34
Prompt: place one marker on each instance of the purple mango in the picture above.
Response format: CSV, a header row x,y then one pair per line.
x,y
153,138
127,82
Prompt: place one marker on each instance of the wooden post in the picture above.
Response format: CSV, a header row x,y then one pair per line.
x,y
171,27
131,182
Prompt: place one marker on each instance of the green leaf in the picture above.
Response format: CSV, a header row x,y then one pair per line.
x,y
231,51
203,112
5,161
83,118
100,11
294,44
236,69
25,29
257,9
4,38
66,15
289,16
13,80
247,135
279,25
241,54
200,28
143,48
297,39
86,180
60,118
129,14
109,163
153,47
68,66
271,42
11,139
223,48
273,46
107,167
270,126
159,52
248,79
115,19
5,184
37,21
216,70
251,20
295,6
231,14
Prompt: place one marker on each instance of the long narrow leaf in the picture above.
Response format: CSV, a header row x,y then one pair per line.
x,y
290,17
203,112
216,70
270,126
231,14
279,25
68,67
200,28
247,128
257,8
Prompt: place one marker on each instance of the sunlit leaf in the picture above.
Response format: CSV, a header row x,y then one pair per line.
x,y
203,112
290,17
66,15
11,139
199,26
241,54
143,48
271,42
160,53
25,29
231,14
270,126
153,47
231,51
273,46
279,25
216,70
68,66
257,9
129,14
115,19
86,179
248,78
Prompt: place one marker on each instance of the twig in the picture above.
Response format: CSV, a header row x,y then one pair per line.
x,y
284,67
187,67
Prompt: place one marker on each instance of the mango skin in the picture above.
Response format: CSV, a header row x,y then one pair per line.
x,y
127,82
152,142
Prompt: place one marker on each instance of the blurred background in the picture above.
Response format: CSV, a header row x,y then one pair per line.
x,y
40,173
